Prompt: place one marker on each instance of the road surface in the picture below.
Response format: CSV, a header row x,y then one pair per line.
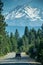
x,y
10,59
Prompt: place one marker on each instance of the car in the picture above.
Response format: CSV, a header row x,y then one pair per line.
x,y
18,55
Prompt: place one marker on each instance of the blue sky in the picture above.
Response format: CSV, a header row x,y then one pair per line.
x,y
21,13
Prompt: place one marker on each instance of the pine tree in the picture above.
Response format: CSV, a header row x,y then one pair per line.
x,y
13,42
42,26
2,23
25,44
2,31
42,30
16,34
1,5
26,33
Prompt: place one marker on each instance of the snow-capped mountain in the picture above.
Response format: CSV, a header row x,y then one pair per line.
x,y
21,13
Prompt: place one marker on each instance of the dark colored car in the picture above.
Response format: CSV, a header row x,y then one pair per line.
x,y
18,55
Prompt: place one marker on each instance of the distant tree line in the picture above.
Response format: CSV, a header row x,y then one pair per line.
x,y
31,42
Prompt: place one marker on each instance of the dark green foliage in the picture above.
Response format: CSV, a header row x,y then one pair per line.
x,y
16,34
25,44
20,44
2,32
1,6
13,42
26,33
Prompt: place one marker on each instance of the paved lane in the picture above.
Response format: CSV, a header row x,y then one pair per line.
x,y
10,59
23,60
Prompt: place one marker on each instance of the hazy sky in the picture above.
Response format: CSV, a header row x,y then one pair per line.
x,y
21,13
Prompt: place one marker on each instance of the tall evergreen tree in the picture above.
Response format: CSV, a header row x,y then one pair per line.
x,y
13,42
42,30
1,5
25,44
42,26
2,30
2,23
26,33
16,34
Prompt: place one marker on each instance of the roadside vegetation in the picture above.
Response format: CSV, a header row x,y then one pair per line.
x,y
31,42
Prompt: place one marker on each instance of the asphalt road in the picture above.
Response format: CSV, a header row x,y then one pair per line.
x,y
10,59
19,64
16,61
